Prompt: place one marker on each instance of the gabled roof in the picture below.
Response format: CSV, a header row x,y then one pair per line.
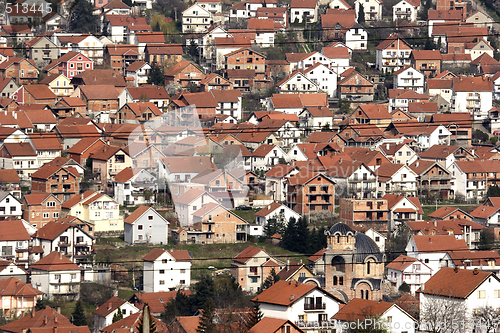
x,y
13,231
445,211
455,283
138,212
284,293
401,262
473,84
393,38
136,65
101,77
303,4
269,209
109,306
46,318
17,288
99,92
156,301
244,256
440,243
360,309
179,255
55,261
9,176
51,230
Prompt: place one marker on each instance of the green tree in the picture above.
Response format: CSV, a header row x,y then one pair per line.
x,y
177,306
344,106
326,128
302,236
156,75
361,14
255,316
118,315
404,287
288,239
78,316
486,239
81,18
275,225
493,191
494,140
271,279
397,244
207,324
203,290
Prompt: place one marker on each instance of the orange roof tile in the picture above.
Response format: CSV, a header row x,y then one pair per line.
x,y
55,261
456,283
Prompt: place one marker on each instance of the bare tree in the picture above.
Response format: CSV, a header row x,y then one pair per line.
x,y
486,318
442,313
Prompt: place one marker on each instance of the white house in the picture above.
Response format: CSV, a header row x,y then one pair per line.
x,y
206,41
339,56
309,59
166,270
339,4
90,46
130,186
396,179
406,10
409,270
314,119
146,225
103,315
266,156
496,86
189,202
371,8
139,71
447,294
473,95
176,169
196,19
303,9
213,6
325,78
432,249
274,211
377,237
305,304
9,206
56,276
14,244
356,38
297,82
392,53
470,178
229,102
409,78
276,181
373,315
427,136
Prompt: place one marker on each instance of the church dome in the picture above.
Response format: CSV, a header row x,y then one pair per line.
x,y
365,246
341,229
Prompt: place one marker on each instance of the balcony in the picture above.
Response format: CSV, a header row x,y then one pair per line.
x,y
64,243
315,306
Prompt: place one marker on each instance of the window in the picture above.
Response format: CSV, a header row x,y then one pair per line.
x,y
182,281
182,271
45,215
162,282
73,276
496,293
140,227
51,204
481,294
150,217
162,271
55,215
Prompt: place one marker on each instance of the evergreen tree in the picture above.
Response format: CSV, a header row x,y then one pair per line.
x,y
361,14
288,239
118,315
275,225
207,324
486,239
157,26
301,236
271,279
81,18
177,306
404,287
156,75
128,3
140,324
203,290
255,316
78,316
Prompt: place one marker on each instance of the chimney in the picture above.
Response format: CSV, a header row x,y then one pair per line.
x,y
456,270
387,146
45,319
422,286
33,313
430,239
14,114
287,265
416,164
55,318
435,223
476,271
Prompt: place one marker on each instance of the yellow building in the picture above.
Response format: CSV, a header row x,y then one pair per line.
x,y
59,84
97,208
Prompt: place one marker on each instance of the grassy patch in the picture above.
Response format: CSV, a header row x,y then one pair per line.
x,y
247,215
126,294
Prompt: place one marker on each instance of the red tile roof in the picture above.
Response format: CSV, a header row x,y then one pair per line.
x,y
456,283
13,231
15,287
284,293
247,254
55,261
45,318
359,309
440,243
401,262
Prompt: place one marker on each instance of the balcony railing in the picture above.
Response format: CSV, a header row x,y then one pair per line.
x,y
315,306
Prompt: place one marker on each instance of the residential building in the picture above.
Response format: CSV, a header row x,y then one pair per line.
x,y
146,225
427,62
299,303
14,242
275,211
374,114
41,50
310,191
353,178
18,297
473,95
108,161
325,78
166,270
355,87
58,84
57,277
40,208
66,238
137,113
409,78
392,53
23,71
301,10
366,213
71,64
371,8
406,10
434,180
196,19
409,270
104,313
276,181
472,178
184,73
10,206
132,186
139,71
360,310
62,182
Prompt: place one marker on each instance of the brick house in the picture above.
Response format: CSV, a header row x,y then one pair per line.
x,y
427,62
70,64
107,161
121,56
100,100
35,94
310,191
355,87
22,70
246,58
185,73
161,53
40,208
135,113
219,225
62,181
369,213
215,81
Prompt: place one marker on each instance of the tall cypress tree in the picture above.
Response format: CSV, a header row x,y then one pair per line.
x,y
118,315
146,313
255,316
361,14
78,316
156,76
207,324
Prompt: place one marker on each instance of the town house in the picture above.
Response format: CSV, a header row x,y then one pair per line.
x,y
145,224
166,270
40,208
23,71
70,64
62,182
371,8
310,191
355,87
409,78
427,62
392,54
